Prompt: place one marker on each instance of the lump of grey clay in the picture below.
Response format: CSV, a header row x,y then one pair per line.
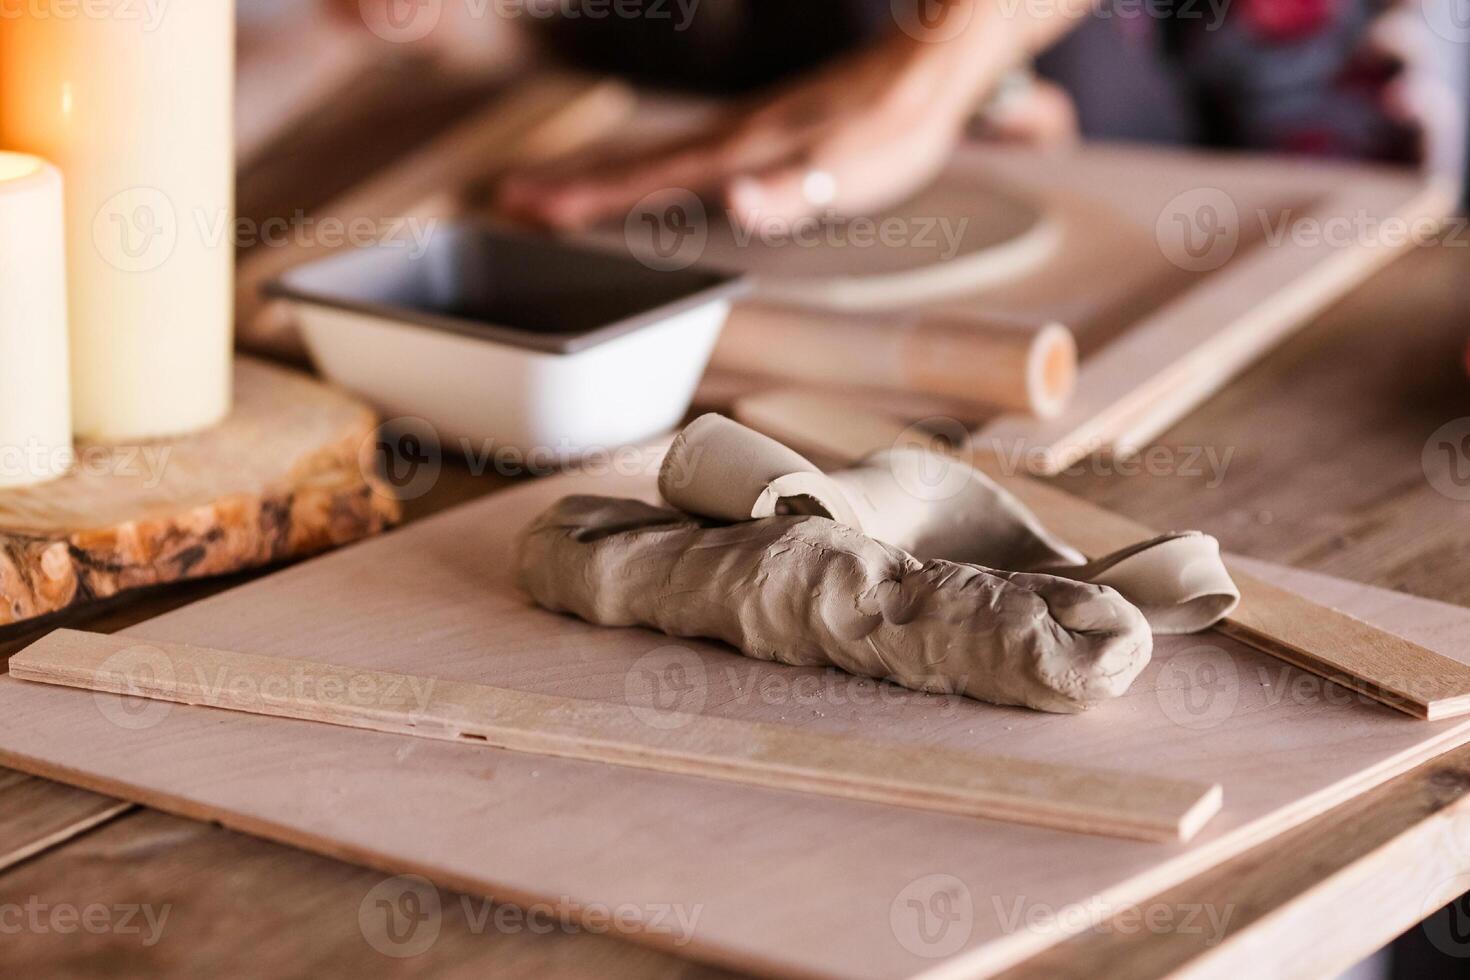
x,y
808,591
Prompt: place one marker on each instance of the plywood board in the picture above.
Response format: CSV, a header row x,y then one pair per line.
x,y
781,883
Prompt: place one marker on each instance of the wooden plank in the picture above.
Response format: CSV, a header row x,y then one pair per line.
x,y
1324,641
288,913
1348,651
39,814
971,784
1171,361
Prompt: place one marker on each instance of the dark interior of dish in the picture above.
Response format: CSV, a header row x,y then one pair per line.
x,y
506,286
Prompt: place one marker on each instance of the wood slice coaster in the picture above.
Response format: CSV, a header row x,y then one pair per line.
x,y
279,479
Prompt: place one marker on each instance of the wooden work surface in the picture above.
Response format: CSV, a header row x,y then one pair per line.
x,y
1326,473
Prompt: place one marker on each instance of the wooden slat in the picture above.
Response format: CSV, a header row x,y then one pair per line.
x,y
1348,651
38,814
1323,641
1171,361
949,781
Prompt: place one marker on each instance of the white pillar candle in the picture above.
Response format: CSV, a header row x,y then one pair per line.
x,y
132,101
35,400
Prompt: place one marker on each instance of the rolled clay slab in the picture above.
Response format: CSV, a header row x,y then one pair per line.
x,y
714,469
936,507
1179,581
811,592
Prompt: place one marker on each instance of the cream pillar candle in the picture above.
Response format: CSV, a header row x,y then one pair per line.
x,y
35,404
131,99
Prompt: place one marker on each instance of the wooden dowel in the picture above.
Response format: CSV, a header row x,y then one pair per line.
x,y
1015,366
922,777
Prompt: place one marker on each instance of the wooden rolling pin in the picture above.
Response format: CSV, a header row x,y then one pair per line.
x,y
1008,365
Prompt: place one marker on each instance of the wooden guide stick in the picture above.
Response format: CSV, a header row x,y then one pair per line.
x,y
1172,360
923,777
1323,641
1016,366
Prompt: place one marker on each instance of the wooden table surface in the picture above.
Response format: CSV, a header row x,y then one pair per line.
x,y
1324,446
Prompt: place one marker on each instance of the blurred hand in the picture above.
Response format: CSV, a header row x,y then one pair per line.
x,y
856,136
